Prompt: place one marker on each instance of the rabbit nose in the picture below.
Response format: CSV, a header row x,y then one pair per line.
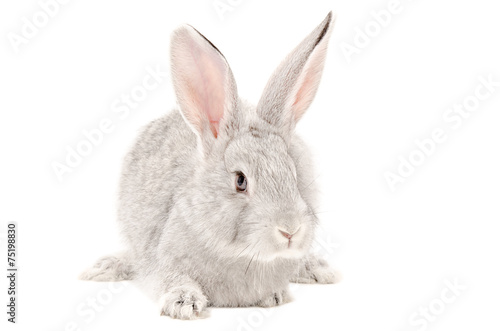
x,y
286,234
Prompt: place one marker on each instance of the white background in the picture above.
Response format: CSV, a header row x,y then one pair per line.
x,y
395,249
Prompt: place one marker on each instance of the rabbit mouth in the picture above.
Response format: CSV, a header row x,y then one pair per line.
x,y
289,242
293,249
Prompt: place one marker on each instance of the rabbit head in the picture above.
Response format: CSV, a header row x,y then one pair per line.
x,y
245,192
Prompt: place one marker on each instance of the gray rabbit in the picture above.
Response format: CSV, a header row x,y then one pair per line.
x,y
216,198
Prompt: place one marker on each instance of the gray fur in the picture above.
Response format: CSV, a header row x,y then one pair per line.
x,y
193,240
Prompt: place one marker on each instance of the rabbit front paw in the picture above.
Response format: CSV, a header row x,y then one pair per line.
x,y
183,302
276,299
314,270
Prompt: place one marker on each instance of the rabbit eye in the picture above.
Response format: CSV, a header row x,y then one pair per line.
x,y
241,182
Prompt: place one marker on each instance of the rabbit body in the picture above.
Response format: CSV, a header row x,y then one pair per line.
x,y
157,195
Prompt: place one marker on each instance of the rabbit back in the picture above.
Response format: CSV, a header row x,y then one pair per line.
x,y
160,161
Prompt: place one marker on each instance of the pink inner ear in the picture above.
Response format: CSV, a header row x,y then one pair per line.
x,y
206,72
308,82
302,97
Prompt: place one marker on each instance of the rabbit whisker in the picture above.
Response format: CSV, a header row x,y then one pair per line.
x,y
249,263
244,249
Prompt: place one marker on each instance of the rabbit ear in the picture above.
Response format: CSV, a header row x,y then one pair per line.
x,y
292,87
203,81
